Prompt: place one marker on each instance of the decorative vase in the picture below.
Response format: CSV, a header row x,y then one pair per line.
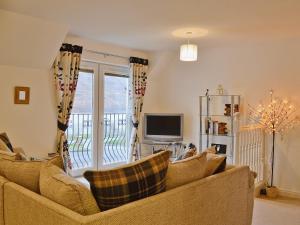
x,y
272,192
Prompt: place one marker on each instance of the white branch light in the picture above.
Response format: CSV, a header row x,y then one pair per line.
x,y
188,52
277,116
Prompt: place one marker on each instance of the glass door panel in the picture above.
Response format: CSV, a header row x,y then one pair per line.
x,y
81,127
115,124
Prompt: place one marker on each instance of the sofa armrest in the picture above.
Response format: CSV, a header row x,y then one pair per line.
x,y
25,207
2,182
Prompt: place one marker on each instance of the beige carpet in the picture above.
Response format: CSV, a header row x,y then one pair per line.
x,y
282,211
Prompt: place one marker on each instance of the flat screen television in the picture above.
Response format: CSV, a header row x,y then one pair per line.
x,y
163,127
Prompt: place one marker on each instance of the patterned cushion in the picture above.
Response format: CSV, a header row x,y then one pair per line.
x,y
144,178
189,153
215,164
186,171
4,138
192,151
65,190
25,173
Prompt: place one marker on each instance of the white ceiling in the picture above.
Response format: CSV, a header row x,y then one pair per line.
x,y
148,25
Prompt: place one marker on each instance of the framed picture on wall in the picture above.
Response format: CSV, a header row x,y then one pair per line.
x,y
22,95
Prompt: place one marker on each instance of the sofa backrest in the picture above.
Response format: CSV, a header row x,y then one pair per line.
x,y
221,199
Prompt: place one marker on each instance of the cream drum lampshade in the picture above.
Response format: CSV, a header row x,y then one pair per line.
x,y
188,52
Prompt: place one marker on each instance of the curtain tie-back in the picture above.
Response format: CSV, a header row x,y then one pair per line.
x,y
135,125
63,127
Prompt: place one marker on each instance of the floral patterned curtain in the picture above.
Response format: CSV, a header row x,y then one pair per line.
x,y
66,71
137,89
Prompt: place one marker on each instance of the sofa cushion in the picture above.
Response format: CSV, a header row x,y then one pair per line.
x,y
67,191
4,139
141,179
186,171
215,164
211,150
25,173
10,155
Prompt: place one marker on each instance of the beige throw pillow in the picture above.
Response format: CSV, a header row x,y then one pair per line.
x,y
9,155
65,190
185,171
25,173
215,164
3,146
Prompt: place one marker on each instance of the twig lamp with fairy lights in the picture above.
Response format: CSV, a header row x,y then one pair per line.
x,y
276,117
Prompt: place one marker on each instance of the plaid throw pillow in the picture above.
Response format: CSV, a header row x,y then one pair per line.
x,y
5,139
144,178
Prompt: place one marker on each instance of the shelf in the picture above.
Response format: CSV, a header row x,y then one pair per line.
x,y
218,115
218,135
203,96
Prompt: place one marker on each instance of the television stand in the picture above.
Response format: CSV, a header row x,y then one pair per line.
x,y
175,147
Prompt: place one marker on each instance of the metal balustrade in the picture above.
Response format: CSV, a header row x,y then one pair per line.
x,y
250,150
80,138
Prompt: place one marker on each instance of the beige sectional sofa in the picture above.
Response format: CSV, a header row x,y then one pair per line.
x,y
222,199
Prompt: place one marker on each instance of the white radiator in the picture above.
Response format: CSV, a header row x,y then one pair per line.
x,y
250,149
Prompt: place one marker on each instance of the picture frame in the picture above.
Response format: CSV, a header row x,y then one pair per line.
x,y
22,95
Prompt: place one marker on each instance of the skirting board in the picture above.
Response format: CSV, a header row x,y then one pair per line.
x,y
289,194
281,192
258,186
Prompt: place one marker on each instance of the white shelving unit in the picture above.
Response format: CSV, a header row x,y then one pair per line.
x,y
215,112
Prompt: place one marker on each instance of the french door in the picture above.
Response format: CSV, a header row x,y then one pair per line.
x,y
98,132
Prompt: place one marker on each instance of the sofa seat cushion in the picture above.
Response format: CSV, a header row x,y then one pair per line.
x,y
25,173
138,180
215,164
186,171
67,191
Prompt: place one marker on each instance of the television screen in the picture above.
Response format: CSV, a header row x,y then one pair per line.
x,y
166,127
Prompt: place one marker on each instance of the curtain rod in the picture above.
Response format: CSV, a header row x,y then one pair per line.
x,y
105,54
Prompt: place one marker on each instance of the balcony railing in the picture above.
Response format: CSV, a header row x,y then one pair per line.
x,y
80,138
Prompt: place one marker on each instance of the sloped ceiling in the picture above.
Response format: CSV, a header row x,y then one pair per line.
x,y
26,41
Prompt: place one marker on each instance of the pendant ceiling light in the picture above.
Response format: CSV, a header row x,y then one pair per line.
x,y
188,52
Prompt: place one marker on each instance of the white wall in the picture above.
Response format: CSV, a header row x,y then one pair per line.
x,y
250,69
24,40
89,44
33,126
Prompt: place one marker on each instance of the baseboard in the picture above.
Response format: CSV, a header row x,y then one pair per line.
x,y
289,194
